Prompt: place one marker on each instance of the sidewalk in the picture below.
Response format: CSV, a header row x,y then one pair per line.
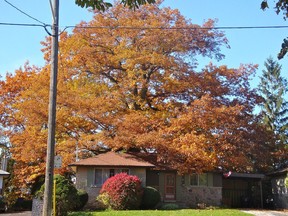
x,y
266,212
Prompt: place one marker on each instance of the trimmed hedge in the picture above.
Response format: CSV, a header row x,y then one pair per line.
x,y
151,197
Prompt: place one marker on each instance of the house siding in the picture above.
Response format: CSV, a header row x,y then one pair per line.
x,y
162,185
152,179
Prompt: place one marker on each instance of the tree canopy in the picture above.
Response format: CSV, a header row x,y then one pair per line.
x,y
103,5
280,6
128,80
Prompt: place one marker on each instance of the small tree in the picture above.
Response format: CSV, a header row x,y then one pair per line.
x,y
273,88
121,192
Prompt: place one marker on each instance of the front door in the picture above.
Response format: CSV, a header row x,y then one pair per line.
x,y
170,186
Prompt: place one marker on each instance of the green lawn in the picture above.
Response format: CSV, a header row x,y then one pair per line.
x,y
182,212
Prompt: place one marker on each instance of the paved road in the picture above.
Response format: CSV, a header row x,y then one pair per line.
x,y
26,213
266,213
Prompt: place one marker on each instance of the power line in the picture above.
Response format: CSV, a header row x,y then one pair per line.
x,y
249,27
23,24
28,25
178,28
26,14
148,27
44,25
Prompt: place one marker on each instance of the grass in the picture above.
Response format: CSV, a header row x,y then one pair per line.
x,y
182,212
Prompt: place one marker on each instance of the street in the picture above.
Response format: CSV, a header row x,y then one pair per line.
x,y
26,213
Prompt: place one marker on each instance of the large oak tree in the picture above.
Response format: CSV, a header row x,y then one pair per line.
x,y
128,80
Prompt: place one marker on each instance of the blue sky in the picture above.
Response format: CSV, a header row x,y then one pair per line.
x,y
21,44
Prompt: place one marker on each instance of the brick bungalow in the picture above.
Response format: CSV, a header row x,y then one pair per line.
x,y
185,190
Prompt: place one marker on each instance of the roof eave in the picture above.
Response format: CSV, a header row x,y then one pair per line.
x,y
247,175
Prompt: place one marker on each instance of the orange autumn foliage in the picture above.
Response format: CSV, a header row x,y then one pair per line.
x,y
134,84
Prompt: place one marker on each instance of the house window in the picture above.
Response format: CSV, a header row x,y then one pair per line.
x,y
112,172
101,175
194,180
199,179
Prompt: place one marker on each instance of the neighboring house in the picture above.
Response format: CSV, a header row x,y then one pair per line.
x,y
279,181
2,175
186,190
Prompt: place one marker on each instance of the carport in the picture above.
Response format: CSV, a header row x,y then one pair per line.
x,y
242,190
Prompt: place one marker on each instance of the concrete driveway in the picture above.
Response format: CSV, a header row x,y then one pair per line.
x,y
266,212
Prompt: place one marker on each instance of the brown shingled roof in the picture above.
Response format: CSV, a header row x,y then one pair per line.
x,y
113,159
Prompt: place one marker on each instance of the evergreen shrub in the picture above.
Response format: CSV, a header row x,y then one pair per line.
x,y
67,198
151,197
170,206
83,199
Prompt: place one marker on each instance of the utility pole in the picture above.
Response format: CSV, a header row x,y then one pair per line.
x,y
49,174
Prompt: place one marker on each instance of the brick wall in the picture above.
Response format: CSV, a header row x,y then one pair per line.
x,y
192,196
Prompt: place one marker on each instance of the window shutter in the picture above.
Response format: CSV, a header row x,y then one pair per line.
x,y
210,179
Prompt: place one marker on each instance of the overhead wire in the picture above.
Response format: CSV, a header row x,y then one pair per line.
x,y
26,14
177,28
22,24
150,27
44,25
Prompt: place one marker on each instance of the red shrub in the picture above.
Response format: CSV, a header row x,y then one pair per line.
x,y
121,191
